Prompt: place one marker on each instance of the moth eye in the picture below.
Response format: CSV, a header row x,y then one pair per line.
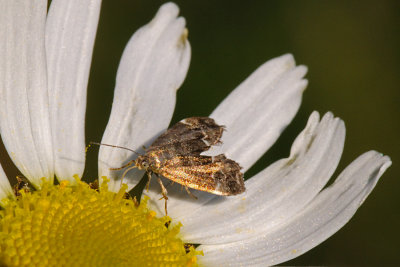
x,y
145,164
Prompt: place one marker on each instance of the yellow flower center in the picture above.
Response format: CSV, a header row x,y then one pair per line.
x,y
79,226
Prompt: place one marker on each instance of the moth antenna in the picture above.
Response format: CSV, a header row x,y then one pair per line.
x,y
101,144
124,166
120,168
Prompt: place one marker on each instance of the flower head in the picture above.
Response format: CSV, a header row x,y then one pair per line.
x,y
284,212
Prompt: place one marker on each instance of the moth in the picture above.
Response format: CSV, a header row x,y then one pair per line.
x,y
176,155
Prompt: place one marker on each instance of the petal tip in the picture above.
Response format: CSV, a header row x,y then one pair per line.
x,y
170,9
387,162
287,57
314,116
303,69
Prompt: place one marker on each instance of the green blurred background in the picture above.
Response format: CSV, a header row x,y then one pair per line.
x,y
352,51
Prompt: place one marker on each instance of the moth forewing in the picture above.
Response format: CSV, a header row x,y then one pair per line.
x,y
197,134
217,175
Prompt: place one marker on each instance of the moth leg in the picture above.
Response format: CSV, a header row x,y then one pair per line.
x,y
190,193
164,193
124,166
125,172
148,180
170,183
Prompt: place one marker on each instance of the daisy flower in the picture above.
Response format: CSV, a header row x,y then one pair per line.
x,y
286,209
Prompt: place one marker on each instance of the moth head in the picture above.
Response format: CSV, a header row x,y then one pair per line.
x,y
142,163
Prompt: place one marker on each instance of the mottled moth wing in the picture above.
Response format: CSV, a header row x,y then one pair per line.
x,y
190,136
176,155
218,175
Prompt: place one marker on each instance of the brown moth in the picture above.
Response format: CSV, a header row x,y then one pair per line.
x,y
175,154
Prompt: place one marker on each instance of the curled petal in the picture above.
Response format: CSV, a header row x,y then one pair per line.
x,y
153,67
326,214
259,109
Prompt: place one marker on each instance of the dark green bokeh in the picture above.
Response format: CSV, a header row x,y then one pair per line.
x,y
352,51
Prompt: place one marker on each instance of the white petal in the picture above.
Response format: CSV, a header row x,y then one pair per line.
x,y
24,107
70,32
254,114
152,68
5,187
325,215
276,194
